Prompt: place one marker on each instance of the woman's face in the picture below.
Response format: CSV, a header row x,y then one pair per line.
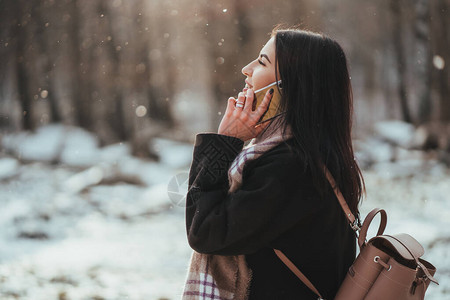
x,y
261,71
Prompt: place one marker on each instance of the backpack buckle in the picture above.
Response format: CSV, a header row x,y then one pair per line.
x,y
356,226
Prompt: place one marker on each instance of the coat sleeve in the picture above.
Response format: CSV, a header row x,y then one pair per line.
x,y
273,197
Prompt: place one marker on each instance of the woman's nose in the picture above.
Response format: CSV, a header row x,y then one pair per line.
x,y
247,71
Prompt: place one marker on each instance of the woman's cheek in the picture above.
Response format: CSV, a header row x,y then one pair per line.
x,y
263,82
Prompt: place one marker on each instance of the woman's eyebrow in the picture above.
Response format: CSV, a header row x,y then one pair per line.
x,y
264,55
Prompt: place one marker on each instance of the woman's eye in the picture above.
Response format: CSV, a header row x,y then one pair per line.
x,y
261,62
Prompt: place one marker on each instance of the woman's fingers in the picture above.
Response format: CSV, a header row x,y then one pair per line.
x,y
250,96
240,102
240,120
241,96
230,105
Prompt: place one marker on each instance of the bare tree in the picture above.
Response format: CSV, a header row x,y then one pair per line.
x,y
81,64
19,31
7,14
115,113
397,40
423,58
45,50
441,40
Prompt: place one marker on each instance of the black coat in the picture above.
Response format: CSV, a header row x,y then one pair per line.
x,y
275,207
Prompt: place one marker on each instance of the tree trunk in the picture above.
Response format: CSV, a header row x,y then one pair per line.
x,y
117,119
5,48
397,35
19,31
42,38
443,50
81,85
423,59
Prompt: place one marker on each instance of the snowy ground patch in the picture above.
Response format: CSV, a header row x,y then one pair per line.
x,y
118,241
105,228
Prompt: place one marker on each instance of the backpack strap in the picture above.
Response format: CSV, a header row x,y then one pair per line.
x,y
366,224
348,213
297,272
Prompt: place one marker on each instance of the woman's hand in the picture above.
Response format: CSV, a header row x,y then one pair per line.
x,y
240,120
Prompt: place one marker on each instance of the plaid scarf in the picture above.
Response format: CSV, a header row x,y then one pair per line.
x,y
228,277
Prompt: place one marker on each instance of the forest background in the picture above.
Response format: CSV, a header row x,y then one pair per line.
x,y
129,70
100,101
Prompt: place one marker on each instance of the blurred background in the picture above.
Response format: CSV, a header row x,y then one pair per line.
x,y
100,101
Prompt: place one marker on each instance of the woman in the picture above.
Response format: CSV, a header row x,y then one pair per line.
x,y
243,203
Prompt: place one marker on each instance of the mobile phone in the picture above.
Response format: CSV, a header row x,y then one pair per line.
x,y
274,106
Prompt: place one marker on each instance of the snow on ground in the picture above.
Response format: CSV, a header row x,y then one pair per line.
x,y
105,228
86,244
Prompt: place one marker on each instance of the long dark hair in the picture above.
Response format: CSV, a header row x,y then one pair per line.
x,y
317,101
